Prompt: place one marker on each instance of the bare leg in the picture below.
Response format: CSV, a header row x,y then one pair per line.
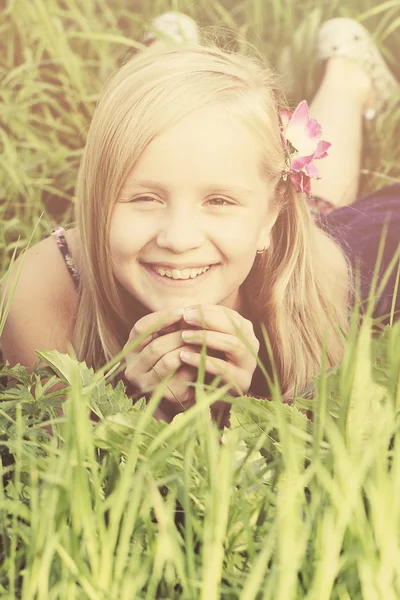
x,y
345,93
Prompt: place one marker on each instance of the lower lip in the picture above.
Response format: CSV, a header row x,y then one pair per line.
x,y
178,283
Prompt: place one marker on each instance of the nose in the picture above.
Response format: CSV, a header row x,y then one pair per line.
x,y
180,231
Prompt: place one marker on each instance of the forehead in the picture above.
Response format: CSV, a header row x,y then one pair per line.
x,y
208,143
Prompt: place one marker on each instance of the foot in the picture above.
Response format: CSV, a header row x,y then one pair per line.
x,y
172,27
344,74
348,39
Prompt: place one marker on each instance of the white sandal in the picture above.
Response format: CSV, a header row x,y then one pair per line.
x,y
172,27
346,37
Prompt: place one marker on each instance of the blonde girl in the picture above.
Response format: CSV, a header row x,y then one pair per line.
x,y
188,225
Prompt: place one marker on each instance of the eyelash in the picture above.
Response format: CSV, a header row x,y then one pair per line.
x,y
142,198
223,200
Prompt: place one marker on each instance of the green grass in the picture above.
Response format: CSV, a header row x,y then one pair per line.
x,y
128,507
278,507
56,55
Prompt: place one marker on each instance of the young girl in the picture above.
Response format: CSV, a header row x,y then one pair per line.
x,y
189,225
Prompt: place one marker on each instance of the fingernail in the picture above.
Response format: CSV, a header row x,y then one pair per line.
x,y
187,335
191,315
185,355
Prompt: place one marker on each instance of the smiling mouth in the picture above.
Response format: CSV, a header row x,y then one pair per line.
x,y
180,274
176,274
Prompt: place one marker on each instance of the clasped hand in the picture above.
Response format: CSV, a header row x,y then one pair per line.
x,y
174,346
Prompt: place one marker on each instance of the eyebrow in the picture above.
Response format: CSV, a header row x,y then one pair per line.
x,y
145,183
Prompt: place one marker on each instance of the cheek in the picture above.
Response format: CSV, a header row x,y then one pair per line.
x,y
125,238
238,240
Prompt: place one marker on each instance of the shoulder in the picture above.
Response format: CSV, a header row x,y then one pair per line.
x,y
42,301
41,273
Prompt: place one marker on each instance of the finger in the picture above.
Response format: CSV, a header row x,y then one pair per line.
x,y
179,389
219,318
162,346
176,376
144,329
146,376
237,378
235,350
142,360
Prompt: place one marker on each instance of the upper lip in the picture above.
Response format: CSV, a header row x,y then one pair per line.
x,y
171,266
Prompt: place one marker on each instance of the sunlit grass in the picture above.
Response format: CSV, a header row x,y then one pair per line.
x,y
278,507
57,55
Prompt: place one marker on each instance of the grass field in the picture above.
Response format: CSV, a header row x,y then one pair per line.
x,y
56,55
282,507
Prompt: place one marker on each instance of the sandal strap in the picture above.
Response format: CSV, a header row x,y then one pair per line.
x,y
348,38
174,26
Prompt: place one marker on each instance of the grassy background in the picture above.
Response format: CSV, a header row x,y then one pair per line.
x,y
129,507
55,56
277,508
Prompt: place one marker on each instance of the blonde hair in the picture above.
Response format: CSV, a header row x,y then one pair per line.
x,y
288,288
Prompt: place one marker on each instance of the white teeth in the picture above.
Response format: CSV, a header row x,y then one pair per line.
x,y
185,274
179,274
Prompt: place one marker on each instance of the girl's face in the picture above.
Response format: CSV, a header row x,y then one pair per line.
x,y
195,201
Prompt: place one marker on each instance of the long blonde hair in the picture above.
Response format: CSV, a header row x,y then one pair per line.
x,y
288,288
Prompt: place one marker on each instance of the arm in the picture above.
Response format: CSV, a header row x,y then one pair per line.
x,y
43,306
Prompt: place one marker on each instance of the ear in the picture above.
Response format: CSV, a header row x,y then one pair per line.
x,y
264,238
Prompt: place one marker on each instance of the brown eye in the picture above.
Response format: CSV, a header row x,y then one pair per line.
x,y
217,201
143,199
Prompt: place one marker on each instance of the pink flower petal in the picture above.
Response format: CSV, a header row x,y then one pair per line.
x,y
306,186
303,133
296,179
301,140
285,116
300,115
321,151
313,129
301,182
300,162
312,171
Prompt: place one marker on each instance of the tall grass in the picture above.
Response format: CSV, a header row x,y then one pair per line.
x,y
280,506
56,55
276,507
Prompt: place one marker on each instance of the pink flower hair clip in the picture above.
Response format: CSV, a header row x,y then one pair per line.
x,y
301,138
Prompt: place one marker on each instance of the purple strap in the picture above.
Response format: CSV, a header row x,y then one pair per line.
x,y
63,247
